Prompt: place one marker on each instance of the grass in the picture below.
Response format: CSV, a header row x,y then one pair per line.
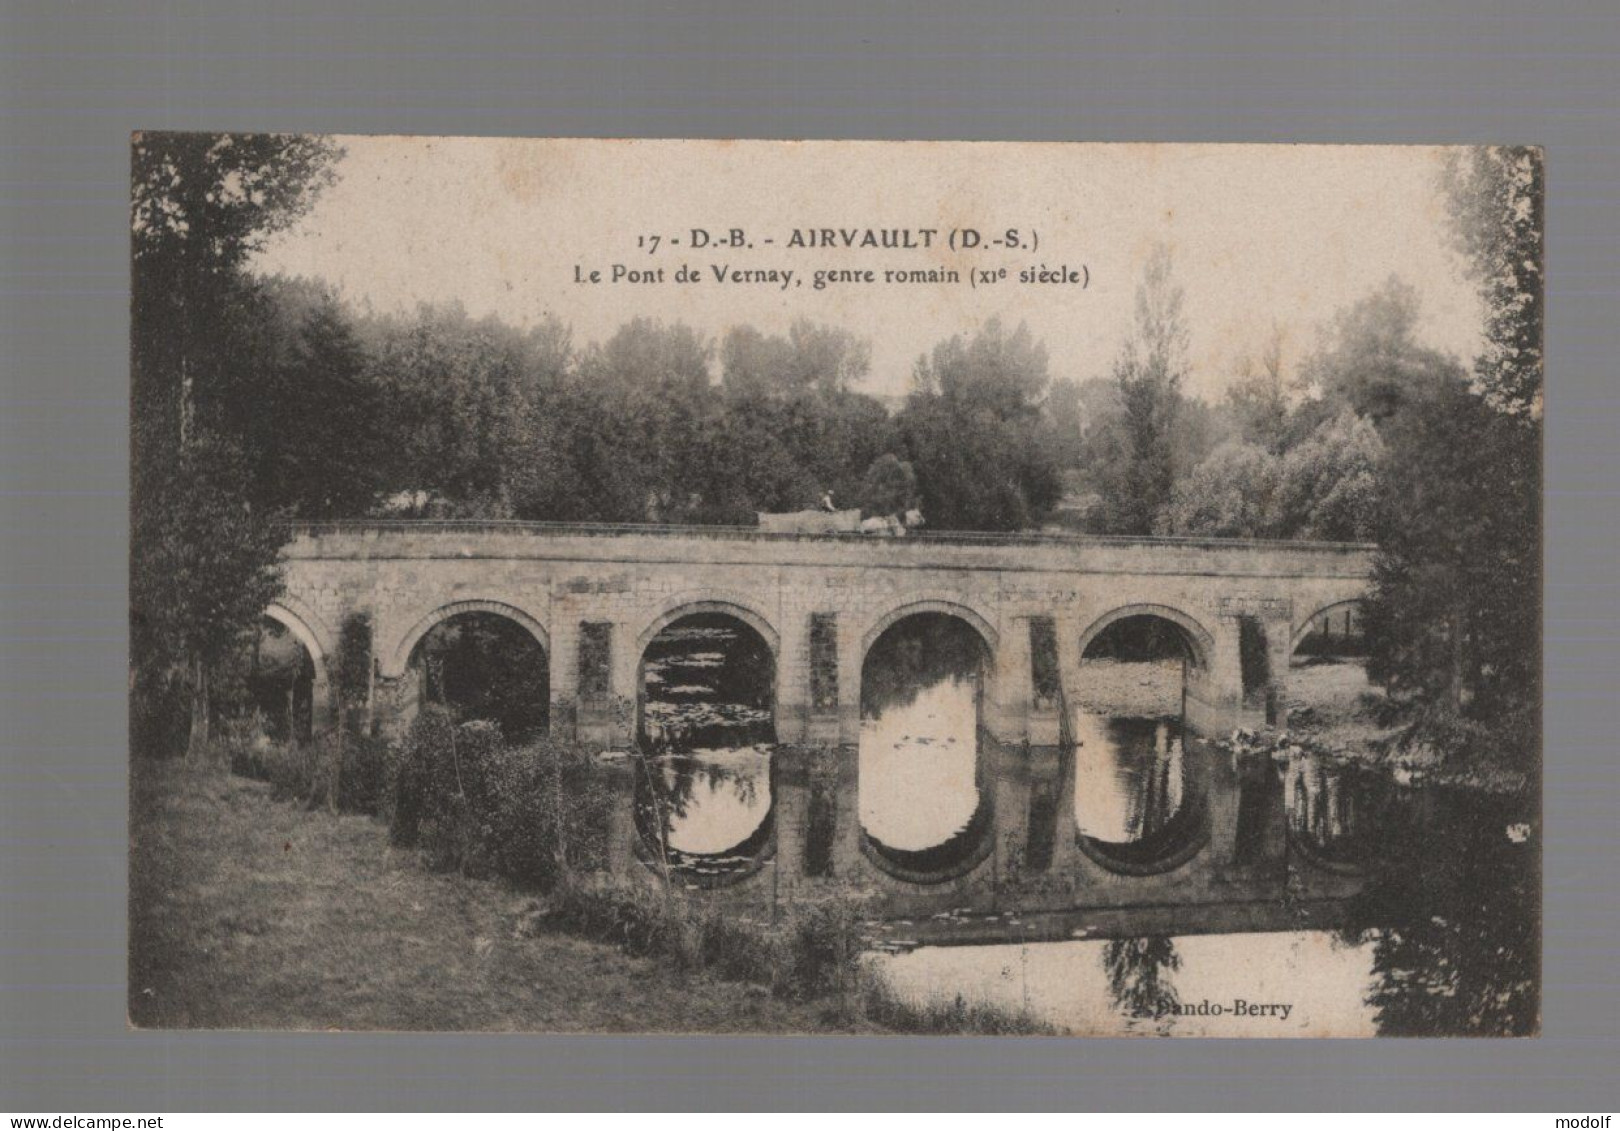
x,y
246,913
249,913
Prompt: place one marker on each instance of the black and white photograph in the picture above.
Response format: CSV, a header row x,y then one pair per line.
x,y
835,587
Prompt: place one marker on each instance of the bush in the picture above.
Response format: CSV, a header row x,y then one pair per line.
x,y
826,940
291,768
813,951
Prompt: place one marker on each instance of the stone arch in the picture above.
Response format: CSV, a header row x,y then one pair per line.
x,y
400,655
1202,640
1304,627
948,606
299,625
709,601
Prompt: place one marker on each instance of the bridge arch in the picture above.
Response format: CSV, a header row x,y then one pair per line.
x,y
299,624
400,654
300,627
722,604
1201,640
949,606
1303,629
904,747
706,794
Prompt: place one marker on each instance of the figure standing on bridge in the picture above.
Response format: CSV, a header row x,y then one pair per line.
x,y
827,503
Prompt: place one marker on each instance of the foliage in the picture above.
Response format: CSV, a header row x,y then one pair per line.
x,y
1326,487
812,358
353,668
297,394
201,551
1232,494
1454,625
533,813
1370,360
1497,203
975,434
202,570
888,487
1258,398
953,1015
1454,619
1136,453
1138,972
462,403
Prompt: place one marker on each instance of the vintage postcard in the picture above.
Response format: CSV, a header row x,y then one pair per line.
x,y
835,587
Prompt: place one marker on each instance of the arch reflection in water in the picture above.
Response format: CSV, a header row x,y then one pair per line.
x,y
923,803
1334,808
704,800
1138,799
1131,777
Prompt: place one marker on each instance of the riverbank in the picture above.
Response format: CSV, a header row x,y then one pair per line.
x,y
1332,712
252,913
248,913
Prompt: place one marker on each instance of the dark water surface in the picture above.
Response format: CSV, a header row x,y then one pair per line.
x,y
1443,941
1444,938
706,732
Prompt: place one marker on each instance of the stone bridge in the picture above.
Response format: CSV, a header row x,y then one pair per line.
x,y
595,596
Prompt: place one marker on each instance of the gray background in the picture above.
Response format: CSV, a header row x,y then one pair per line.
x,y
78,77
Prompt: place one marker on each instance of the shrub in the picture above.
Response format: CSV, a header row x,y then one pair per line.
x,y
945,1015
826,939
363,779
291,768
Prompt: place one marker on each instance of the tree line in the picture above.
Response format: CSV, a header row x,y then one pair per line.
x,y
256,399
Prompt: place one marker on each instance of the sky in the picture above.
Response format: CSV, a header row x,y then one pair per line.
x,y
1260,235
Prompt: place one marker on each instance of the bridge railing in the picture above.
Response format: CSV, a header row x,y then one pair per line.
x,y
315,528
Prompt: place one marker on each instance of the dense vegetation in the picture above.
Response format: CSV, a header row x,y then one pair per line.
x,y
256,399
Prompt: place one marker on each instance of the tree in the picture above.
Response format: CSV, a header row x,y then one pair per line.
x,y
1496,195
1370,360
1326,488
1138,453
1258,399
1454,622
465,398
974,431
311,417
202,556
1232,494
1067,415
888,487
812,358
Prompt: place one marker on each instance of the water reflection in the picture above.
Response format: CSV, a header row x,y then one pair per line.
x,y
703,798
1452,908
1130,774
1442,939
1138,976
921,775
1338,812
1229,985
